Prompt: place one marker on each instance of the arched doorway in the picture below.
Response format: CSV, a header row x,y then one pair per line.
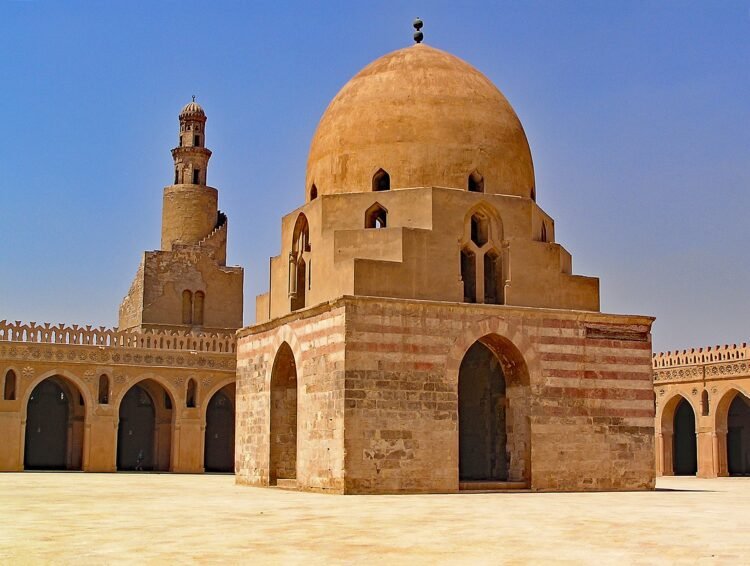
x,y
283,449
738,436
144,434
218,454
493,408
55,416
684,453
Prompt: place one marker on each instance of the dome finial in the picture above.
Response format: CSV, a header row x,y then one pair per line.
x,y
193,98
418,35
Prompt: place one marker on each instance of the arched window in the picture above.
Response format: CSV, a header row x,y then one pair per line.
x,y
479,229
176,175
469,275
9,390
313,192
376,216
493,278
198,300
476,182
543,236
704,403
297,263
103,390
381,181
187,307
533,194
190,397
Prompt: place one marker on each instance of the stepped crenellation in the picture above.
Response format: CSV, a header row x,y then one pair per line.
x,y
705,355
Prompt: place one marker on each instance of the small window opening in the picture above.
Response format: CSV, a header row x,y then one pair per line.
x,y
533,194
313,192
190,398
187,307
469,276
198,301
103,390
176,175
381,181
9,390
543,236
704,403
180,141
196,176
167,401
476,182
376,216
493,278
197,141
479,230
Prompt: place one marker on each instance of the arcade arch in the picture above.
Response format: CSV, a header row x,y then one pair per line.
x,y
146,427
218,448
55,425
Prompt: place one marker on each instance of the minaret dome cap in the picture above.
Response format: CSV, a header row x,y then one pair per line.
x,y
192,109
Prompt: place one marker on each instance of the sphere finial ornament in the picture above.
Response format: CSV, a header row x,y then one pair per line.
x,y
418,35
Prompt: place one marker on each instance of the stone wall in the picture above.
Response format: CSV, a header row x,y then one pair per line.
x,y
709,380
580,415
78,356
316,338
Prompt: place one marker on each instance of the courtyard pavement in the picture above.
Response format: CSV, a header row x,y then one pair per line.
x,y
161,518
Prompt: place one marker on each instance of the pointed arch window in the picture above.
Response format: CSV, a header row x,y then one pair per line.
x,y
313,192
298,263
9,387
483,257
381,181
190,397
704,403
543,236
103,390
187,307
376,216
198,301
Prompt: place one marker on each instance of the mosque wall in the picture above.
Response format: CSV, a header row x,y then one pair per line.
x,y
712,385
82,359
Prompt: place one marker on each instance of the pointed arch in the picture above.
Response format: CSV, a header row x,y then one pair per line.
x,y
494,221
187,307
313,192
103,389
191,394
381,181
283,416
376,216
9,386
198,306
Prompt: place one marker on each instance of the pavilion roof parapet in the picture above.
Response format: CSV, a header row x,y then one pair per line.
x,y
700,356
47,333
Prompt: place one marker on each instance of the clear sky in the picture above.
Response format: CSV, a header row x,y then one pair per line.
x,y
638,116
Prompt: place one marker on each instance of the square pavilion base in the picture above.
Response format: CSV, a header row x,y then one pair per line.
x,y
361,395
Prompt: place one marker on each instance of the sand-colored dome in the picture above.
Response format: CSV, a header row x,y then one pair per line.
x,y
428,119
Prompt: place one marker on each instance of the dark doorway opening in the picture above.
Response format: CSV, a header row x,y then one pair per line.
x,y
685,448
219,443
738,437
482,417
145,429
283,454
54,427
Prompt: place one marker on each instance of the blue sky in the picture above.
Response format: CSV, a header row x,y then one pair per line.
x,y
638,116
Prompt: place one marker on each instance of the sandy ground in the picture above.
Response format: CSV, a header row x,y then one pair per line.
x,y
159,518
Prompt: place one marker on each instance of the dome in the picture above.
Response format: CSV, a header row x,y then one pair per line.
x,y
192,109
425,117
